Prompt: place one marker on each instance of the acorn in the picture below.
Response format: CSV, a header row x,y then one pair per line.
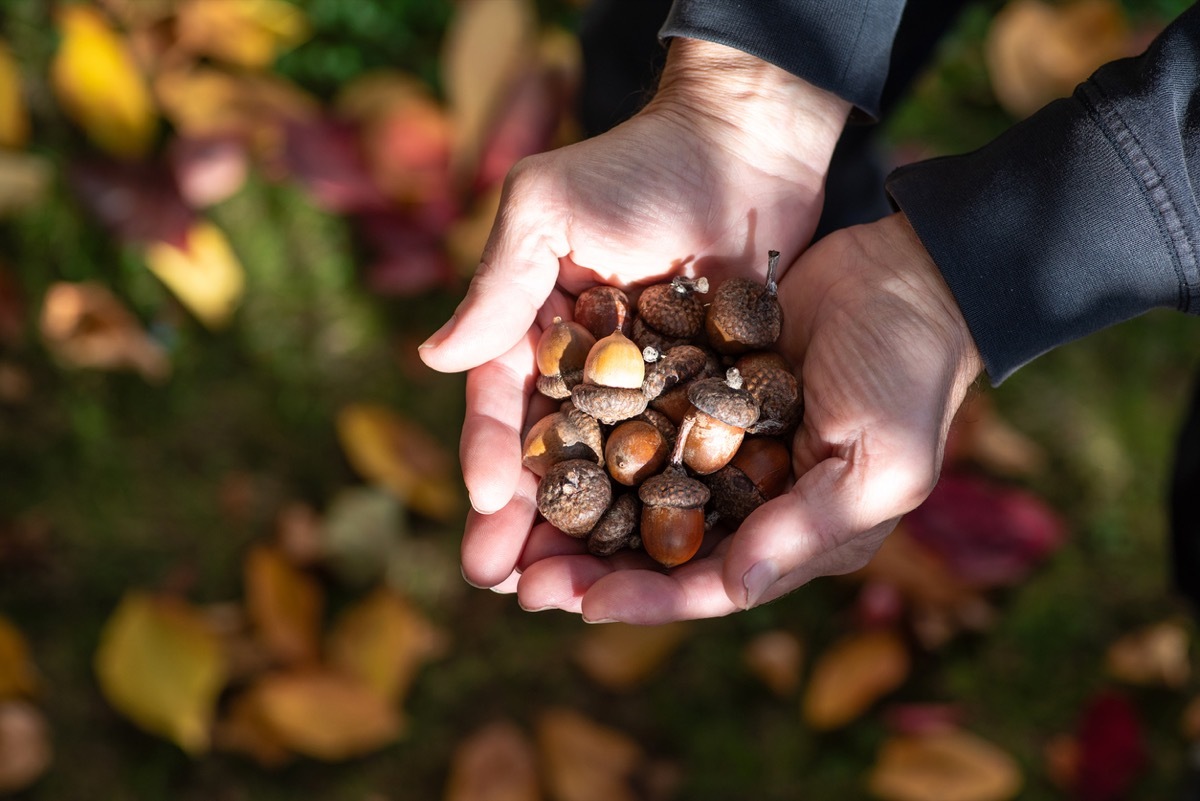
x,y
617,528
615,361
677,366
609,405
744,314
672,523
563,435
635,451
662,423
758,473
646,337
604,309
562,352
767,377
673,404
573,495
672,309
714,428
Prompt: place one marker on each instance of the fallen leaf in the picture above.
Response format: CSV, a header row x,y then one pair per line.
x,y
408,152
1154,655
208,170
584,760
360,529
469,234
16,384
14,118
243,730
920,719
298,534
244,33
285,606
12,308
245,655
24,181
378,94
525,124
1189,723
324,715
18,675
85,325
205,274
139,203
98,84
949,766
323,155
619,656
914,570
980,435
776,658
140,13
495,763
395,453
160,665
1112,749
852,674
383,641
25,750
1061,758
408,256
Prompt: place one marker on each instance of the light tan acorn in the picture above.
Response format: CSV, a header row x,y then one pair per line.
x,y
562,351
612,380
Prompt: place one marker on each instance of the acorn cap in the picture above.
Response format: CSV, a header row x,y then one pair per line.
x,y
608,404
617,527
734,495
729,404
672,308
573,495
678,365
673,489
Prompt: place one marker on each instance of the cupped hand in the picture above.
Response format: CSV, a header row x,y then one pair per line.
x,y
886,359
726,161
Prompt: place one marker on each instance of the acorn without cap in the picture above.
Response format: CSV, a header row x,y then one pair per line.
x,y
714,427
563,435
602,310
562,351
635,450
744,314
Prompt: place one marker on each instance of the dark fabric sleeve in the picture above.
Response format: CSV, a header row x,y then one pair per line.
x,y
843,47
1081,216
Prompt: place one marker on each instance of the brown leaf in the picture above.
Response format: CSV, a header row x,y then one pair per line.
x,y
204,274
14,118
24,181
620,657
584,760
18,675
397,454
12,308
161,666
25,750
951,766
284,605
138,202
98,84
324,715
776,658
243,730
853,674
244,33
298,534
1154,655
981,435
1061,756
495,763
1189,723
383,641
85,325
469,234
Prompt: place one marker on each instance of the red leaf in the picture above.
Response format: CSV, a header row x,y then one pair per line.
x,y
324,156
12,308
927,718
987,534
525,126
138,202
409,258
1112,751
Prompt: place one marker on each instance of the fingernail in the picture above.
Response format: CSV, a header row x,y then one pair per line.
x,y
463,570
599,620
757,580
439,335
483,510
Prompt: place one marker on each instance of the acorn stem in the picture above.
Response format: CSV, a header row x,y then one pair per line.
x,y
685,428
772,270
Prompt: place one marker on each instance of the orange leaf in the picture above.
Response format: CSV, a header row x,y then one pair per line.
x,y
25,750
981,435
583,760
619,656
243,730
776,657
205,275
323,714
284,604
852,675
397,454
383,641
496,763
950,766
100,86
160,665
85,325
1154,655
18,676
244,33
14,118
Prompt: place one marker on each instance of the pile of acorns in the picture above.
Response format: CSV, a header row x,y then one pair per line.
x,y
650,445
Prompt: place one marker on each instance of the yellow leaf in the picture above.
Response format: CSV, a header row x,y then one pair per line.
x,y
24,180
383,641
25,750
620,656
100,86
206,275
202,102
324,715
245,33
496,763
397,454
585,761
160,665
853,674
1154,655
776,657
18,676
948,766
14,118
284,605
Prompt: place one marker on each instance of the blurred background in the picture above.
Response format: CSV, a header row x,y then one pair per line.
x,y
230,506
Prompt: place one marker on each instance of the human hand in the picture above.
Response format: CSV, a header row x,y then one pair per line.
x,y
886,359
727,160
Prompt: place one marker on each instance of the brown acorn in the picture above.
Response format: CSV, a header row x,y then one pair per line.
x,y
766,376
713,429
618,527
672,308
745,315
573,495
609,405
562,351
677,366
563,435
646,337
672,524
662,423
758,473
635,451
604,309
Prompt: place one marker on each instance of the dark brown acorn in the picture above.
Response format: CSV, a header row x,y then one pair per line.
x,y
744,314
758,473
563,435
766,376
604,309
635,451
662,423
573,495
672,309
646,337
672,524
609,405
677,366
618,527
713,429
562,351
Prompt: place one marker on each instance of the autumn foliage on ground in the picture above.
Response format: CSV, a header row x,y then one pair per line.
x,y
230,506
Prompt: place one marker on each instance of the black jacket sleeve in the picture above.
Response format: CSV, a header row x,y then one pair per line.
x,y
843,47
1081,216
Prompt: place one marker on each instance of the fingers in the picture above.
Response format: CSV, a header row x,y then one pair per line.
x,y
492,544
